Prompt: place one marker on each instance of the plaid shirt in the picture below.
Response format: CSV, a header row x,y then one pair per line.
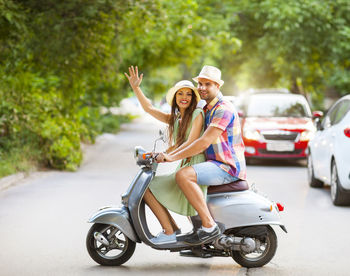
x,y
228,150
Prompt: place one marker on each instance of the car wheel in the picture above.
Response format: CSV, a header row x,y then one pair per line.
x,y
313,182
338,196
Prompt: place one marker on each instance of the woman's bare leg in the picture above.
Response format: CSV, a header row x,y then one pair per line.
x,y
162,214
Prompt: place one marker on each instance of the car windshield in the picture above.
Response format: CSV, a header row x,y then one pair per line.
x,y
278,106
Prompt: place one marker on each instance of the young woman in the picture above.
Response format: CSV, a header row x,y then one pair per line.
x,y
186,124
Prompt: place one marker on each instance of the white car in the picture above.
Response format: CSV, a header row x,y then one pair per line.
x,y
231,99
329,152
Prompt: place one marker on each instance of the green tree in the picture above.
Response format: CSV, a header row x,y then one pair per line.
x,y
301,44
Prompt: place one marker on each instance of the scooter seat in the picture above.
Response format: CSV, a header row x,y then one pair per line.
x,y
236,186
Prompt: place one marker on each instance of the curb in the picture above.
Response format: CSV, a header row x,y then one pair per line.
x,y
10,180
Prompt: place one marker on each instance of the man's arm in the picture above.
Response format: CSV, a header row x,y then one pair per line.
x,y
198,146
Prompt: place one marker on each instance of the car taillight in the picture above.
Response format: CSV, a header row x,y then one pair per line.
x,y
347,132
280,206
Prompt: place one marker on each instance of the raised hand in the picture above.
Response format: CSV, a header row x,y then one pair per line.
x,y
134,78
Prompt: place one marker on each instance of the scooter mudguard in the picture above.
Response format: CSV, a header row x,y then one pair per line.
x,y
118,217
245,208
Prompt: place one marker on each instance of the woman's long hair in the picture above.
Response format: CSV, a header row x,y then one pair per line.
x,y
183,123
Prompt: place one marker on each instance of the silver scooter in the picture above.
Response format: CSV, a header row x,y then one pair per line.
x,y
244,217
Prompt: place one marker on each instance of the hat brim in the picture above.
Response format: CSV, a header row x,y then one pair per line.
x,y
172,91
219,82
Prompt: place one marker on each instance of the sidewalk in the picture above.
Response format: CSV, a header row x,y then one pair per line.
x,y
10,180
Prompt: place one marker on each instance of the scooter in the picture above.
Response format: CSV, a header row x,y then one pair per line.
x,y
243,215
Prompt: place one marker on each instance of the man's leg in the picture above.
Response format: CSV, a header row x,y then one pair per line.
x,y
186,178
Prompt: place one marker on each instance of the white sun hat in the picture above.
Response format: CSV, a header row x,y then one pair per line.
x,y
181,84
211,73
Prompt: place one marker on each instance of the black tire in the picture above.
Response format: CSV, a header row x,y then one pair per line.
x,y
258,259
339,197
248,160
313,182
118,252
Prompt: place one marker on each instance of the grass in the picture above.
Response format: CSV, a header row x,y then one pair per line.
x,y
18,160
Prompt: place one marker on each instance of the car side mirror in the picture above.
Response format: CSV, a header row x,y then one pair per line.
x,y
317,114
240,113
318,123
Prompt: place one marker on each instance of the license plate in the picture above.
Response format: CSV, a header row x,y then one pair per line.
x,y
280,146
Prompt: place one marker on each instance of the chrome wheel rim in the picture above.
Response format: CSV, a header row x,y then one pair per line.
x,y
118,243
260,252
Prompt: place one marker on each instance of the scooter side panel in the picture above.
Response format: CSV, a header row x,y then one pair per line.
x,y
116,216
244,208
136,206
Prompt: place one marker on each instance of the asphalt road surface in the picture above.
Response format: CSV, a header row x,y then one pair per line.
x,y
43,218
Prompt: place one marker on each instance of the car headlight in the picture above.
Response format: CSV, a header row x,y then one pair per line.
x,y
252,134
307,135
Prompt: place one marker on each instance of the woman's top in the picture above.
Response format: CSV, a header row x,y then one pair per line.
x,y
164,187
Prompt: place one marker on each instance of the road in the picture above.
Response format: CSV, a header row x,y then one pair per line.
x,y
43,218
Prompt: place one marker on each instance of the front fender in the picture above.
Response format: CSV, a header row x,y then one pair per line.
x,y
118,217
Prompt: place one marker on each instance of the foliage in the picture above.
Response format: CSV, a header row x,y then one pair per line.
x,y
61,61
302,45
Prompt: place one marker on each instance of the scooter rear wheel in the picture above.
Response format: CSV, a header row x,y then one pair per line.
x,y
262,255
119,249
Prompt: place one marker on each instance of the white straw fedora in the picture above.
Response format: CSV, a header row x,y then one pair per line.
x,y
181,84
211,73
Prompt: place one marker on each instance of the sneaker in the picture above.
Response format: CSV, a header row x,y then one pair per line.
x,y
200,236
164,238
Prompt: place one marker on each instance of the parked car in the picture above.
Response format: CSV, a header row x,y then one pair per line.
x,y
329,152
276,125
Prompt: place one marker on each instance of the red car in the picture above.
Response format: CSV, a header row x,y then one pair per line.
x,y
276,125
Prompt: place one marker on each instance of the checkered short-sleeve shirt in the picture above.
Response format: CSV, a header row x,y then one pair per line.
x,y
228,150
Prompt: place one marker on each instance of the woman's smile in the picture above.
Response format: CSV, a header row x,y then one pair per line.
x,y
184,97
184,102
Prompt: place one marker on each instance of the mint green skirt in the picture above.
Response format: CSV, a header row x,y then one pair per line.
x,y
168,193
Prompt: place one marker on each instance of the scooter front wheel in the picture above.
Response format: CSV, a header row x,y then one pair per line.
x,y
266,249
107,245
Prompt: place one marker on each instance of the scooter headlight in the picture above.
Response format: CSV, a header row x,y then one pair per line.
x,y
138,151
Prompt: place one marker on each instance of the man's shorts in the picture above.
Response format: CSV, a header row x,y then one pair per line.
x,y
209,174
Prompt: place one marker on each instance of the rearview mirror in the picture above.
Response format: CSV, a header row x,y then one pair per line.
x,y
162,135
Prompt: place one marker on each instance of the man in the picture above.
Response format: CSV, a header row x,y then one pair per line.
x,y
224,149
